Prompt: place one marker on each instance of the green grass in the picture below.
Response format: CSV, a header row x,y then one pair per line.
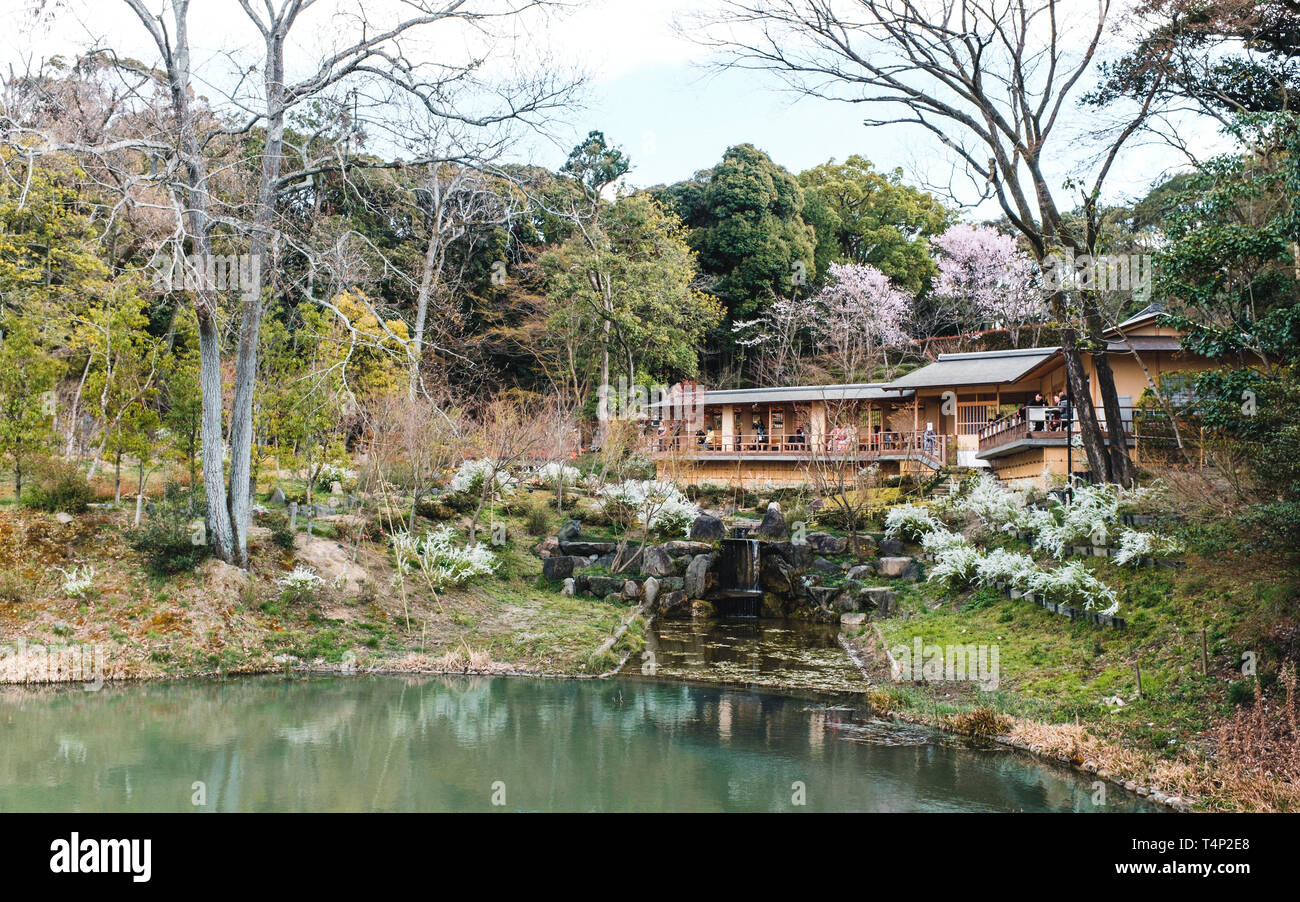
x,y
1056,670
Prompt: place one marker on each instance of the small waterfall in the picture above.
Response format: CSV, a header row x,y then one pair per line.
x,y
741,559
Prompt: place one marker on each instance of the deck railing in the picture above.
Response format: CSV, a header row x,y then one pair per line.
x,y
1043,423
931,447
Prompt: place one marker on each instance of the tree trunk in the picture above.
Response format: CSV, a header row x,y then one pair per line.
x,y
139,495
1121,465
1081,407
214,477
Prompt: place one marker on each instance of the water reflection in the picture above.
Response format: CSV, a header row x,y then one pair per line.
x,y
773,653
429,744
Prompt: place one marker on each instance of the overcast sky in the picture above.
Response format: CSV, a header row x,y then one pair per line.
x,y
650,90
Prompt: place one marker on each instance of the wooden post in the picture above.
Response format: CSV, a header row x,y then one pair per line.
x,y
1137,670
1205,655
293,516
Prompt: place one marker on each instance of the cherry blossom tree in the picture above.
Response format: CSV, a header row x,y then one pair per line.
x,y
857,317
985,278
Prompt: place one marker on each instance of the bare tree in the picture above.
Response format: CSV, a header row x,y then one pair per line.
x,y
990,80
371,62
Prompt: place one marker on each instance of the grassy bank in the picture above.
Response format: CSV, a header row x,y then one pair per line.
x,y
1072,688
220,619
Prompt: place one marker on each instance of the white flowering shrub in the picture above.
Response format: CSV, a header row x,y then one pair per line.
x,y
555,472
1090,519
655,504
1074,584
471,475
77,581
1011,567
989,501
332,473
442,562
1135,545
939,540
957,566
909,522
300,583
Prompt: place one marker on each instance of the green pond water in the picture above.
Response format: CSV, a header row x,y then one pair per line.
x,y
398,743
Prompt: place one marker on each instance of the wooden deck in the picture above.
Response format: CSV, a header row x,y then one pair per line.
x,y
1031,428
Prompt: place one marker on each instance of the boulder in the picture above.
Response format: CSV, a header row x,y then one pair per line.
x,y
569,531
672,584
898,568
890,547
675,603
650,590
875,598
773,525
558,567
336,488
656,562
569,587
683,548
800,557
822,563
64,517
853,620
277,497
605,586
866,545
777,575
587,549
707,528
631,589
547,547
827,597
825,543
697,575
861,571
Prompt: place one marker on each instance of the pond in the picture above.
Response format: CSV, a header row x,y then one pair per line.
x,y
399,743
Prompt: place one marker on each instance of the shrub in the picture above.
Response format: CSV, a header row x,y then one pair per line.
x,y
278,523
471,474
956,567
1135,545
331,473
655,504
77,581
537,518
552,473
435,509
909,522
166,540
300,584
1074,584
57,485
439,560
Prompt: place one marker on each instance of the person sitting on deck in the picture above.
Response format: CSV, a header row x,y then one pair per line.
x,y
709,439
760,436
1054,413
798,438
1038,403
929,439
